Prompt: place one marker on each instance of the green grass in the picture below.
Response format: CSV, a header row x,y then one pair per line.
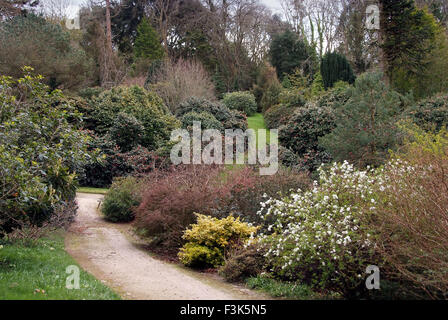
x,y
257,122
38,272
92,190
287,290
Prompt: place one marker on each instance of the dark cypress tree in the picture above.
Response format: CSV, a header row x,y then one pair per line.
x,y
335,67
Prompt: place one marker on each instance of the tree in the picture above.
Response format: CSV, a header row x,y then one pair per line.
x,y
288,52
335,67
407,34
147,43
11,8
33,41
126,17
366,124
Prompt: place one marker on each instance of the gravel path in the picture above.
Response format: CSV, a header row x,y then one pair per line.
x,y
112,254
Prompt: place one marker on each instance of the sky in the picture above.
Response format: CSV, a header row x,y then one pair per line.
x,y
274,5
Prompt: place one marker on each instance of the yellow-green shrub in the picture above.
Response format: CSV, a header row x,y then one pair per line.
x,y
210,239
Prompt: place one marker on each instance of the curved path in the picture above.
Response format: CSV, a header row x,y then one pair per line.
x,y
112,254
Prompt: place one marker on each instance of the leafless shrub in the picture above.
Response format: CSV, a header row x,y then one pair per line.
x,y
176,81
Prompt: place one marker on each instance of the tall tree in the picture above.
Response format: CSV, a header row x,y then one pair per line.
x,y
147,43
406,36
335,67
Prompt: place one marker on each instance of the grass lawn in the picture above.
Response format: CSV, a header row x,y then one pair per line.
x,y
92,190
257,122
38,272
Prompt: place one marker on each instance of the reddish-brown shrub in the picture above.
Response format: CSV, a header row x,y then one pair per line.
x,y
170,199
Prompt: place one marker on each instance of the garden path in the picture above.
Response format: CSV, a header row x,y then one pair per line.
x,y
113,255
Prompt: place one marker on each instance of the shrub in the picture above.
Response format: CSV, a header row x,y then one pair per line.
x,y
243,263
177,81
335,97
431,113
41,149
126,132
120,200
116,163
317,237
208,121
292,98
210,239
366,124
287,157
411,220
230,119
241,101
278,116
144,106
304,128
250,190
169,201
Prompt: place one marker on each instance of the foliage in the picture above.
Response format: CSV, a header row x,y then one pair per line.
x,y
317,87
278,116
169,201
207,120
147,43
431,113
117,163
122,197
409,37
366,127
411,218
304,128
335,67
241,101
334,97
288,52
176,81
249,190
40,151
243,263
230,119
210,239
317,237
32,41
127,132
144,106
267,88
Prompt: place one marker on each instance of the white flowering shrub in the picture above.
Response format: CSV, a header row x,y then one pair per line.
x,y
318,237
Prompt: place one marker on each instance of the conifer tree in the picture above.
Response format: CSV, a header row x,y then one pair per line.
x,y
147,44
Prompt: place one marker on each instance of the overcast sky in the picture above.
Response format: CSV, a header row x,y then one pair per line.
x,y
274,5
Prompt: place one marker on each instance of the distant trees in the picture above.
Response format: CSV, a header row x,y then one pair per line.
x,y
32,41
288,52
